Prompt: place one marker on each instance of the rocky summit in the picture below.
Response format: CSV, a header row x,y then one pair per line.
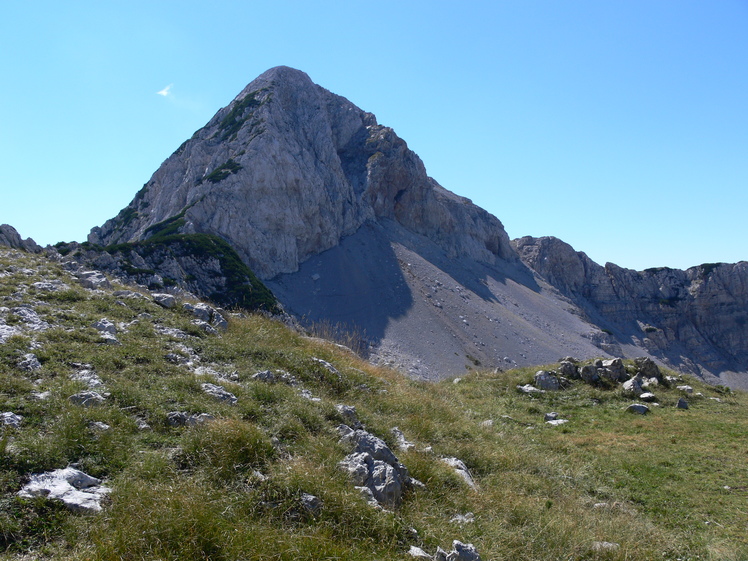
x,y
340,220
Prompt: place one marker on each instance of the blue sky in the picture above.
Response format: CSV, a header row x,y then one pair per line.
x,y
619,126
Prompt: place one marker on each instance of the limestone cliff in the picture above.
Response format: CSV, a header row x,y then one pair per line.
x,y
287,170
695,319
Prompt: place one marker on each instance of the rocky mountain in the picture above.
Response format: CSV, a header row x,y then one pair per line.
x,y
341,221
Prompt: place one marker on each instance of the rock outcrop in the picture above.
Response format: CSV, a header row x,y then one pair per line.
x,y
10,237
695,320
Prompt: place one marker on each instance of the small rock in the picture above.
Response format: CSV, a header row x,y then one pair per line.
x,y
99,426
165,300
527,388
463,552
402,443
205,326
219,393
418,553
182,418
78,491
685,389
461,470
310,503
488,423
682,404
105,326
604,546
557,422
10,419
550,416
348,412
648,397
93,280
109,339
638,408
329,367
87,398
589,374
466,518
29,363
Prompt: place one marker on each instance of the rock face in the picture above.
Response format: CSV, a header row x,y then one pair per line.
x,y
696,320
11,238
287,170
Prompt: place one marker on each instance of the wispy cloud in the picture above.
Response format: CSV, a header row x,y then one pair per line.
x,y
165,91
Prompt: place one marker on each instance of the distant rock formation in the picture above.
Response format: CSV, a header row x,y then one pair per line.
x,y
697,319
11,238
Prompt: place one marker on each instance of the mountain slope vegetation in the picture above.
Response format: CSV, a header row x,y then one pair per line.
x,y
236,483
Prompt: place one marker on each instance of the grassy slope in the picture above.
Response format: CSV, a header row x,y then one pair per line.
x,y
674,481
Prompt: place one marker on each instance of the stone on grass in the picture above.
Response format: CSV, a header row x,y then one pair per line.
x,y
29,363
615,370
93,280
460,552
182,418
648,397
461,470
633,386
348,412
685,389
557,422
374,466
547,381
164,299
87,398
418,553
466,518
528,388
402,443
10,419
327,366
568,369
550,416
77,491
682,404
647,368
604,546
105,326
220,393
638,408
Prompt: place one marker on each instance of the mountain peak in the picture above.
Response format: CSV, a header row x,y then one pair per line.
x,y
287,170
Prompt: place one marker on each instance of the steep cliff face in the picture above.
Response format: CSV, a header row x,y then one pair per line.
x,y
287,170
697,319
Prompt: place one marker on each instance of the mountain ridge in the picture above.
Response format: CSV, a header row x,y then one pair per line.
x,y
295,177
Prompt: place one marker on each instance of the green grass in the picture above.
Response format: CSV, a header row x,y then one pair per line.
x,y
674,481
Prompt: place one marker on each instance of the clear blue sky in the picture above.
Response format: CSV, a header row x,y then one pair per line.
x,y
619,126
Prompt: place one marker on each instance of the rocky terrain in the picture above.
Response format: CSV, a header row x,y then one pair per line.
x,y
335,214
144,424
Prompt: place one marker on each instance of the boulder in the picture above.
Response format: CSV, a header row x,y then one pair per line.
x,y
648,397
547,381
568,369
647,368
589,374
633,386
682,404
685,389
615,370
10,237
